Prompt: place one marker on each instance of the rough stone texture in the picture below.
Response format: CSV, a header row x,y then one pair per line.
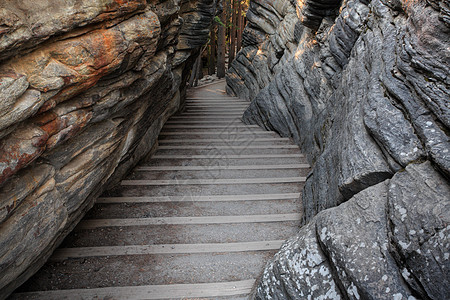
x,y
85,87
268,42
390,241
366,95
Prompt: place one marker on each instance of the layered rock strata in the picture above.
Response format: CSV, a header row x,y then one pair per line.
x,y
366,96
85,87
268,41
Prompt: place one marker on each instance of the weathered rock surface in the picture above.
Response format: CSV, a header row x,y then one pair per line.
x,y
390,241
85,87
366,95
267,42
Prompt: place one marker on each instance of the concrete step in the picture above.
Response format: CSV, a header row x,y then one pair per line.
x,y
150,291
230,156
232,118
181,234
228,150
226,147
296,167
193,209
148,269
212,181
215,104
208,198
231,114
187,127
62,254
229,136
203,220
211,142
219,129
225,160
193,121
227,172
204,190
217,109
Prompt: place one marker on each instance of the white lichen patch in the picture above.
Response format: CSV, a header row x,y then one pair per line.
x,y
353,290
404,245
405,273
397,296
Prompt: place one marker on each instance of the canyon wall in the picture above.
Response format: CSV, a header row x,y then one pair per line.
x,y
85,87
365,93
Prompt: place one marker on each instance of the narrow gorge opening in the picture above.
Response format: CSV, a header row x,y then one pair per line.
x,y
197,185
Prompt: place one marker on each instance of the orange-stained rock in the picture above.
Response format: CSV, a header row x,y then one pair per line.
x,y
18,150
85,88
26,24
71,66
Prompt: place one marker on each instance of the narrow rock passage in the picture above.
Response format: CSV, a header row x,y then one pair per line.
x,y
200,219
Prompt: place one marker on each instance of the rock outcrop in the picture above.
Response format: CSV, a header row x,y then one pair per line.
x,y
268,41
366,95
85,87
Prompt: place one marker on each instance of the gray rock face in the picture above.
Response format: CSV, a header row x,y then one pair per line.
x,y
366,95
85,87
268,42
380,244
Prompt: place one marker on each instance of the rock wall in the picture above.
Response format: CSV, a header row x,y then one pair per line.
x,y
85,87
366,96
268,41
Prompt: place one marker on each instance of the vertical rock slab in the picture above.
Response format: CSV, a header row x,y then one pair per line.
x,y
268,42
349,83
365,94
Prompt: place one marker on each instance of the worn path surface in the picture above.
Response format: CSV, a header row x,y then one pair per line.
x,y
199,220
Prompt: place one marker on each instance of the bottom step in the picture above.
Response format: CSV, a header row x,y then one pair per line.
x,y
217,289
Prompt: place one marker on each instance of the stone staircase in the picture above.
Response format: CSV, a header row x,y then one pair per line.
x,y
199,220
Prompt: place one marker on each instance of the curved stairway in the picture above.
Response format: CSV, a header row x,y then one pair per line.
x,y
199,220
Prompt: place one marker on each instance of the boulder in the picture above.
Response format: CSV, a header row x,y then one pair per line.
x,y
389,241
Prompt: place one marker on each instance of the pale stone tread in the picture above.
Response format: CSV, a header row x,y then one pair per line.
x,y
228,156
227,147
215,132
212,122
209,126
254,197
216,289
227,167
220,105
81,252
198,140
97,223
214,181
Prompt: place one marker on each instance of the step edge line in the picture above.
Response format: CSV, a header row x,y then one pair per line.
x,y
126,292
130,250
97,223
214,198
219,181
